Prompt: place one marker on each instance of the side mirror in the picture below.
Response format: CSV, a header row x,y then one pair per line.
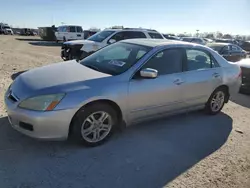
x,y
149,73
111,41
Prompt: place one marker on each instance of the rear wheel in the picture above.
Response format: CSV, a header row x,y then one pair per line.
x,y
216,101
94,124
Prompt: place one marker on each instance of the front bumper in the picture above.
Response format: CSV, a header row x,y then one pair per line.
x,y
69,52
51,125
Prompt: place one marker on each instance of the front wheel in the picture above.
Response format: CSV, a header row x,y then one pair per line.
x,y
216,101
94,124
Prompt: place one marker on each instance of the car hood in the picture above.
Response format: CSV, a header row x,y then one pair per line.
x,y
74,42
55,78
244,63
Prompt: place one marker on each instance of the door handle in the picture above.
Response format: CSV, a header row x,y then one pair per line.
x,y
178,82
216,75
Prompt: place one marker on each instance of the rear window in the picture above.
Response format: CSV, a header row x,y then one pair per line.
x,y
79,29
155,35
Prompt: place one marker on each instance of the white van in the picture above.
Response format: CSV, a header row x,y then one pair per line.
x,y
69,32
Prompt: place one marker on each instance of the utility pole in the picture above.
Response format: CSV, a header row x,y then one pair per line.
x,y
197,34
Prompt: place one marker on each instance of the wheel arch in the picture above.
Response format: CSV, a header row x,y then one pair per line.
x,y
111,103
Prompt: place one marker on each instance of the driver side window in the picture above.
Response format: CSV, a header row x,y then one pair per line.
x,y
166,62
118,36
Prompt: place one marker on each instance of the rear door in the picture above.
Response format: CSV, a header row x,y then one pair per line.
x,y
79,33
72,34
202,76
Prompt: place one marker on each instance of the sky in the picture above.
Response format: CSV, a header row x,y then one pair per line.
x,y
166,16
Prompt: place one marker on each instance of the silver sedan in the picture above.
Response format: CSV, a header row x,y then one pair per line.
x,y
126,82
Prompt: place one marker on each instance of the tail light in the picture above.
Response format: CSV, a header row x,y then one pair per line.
x,y
240,74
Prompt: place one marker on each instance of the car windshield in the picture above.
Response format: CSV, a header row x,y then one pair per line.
x,y
215,47
100,36
155,35
116,58
6,27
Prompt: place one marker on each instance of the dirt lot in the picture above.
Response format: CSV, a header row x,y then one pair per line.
x,y
190,150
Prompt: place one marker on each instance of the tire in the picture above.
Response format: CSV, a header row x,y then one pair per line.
x,y
83,130
214,105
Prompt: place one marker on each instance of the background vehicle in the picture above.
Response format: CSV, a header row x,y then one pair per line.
x,y
5,29
80,49
27,32
230,41
207,40
245,45
170,37
245,67
69,32
194,40
129,81
47,33
230,52
89,33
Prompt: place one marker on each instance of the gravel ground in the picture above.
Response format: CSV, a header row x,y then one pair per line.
x,y
189,150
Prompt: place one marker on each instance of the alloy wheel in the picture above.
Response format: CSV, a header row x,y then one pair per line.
x,y
217,101
96,126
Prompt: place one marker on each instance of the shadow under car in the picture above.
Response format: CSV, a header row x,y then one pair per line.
x,y
146,155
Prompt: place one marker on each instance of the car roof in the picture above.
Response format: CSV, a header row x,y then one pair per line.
x,y
133,29
157,42
218,44
70,26
191,37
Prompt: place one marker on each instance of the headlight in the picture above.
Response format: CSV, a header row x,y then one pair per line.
x,y
42,103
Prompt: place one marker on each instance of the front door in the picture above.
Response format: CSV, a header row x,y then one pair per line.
x,y
202,76
151,97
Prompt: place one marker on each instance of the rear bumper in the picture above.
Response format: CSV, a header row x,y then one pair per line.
x,y
245,78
